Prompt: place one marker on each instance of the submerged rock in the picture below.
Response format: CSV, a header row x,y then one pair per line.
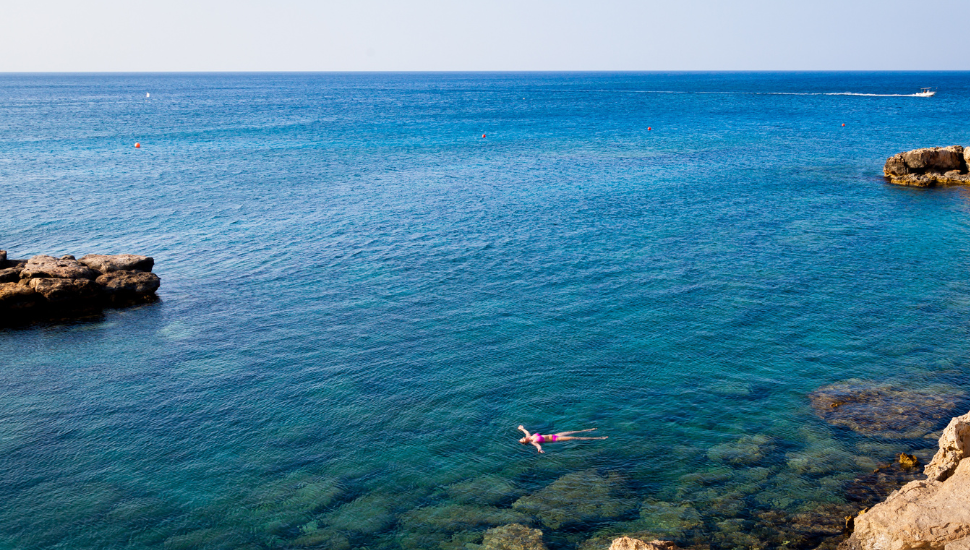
x,y
368,514
929,167
513,537
577,497
489,489
907,461
313,537
884,410
458,517
276,508
627,543
747,450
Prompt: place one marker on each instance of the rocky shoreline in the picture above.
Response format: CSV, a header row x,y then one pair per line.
x,y
925,514
929,167
47,288
932,513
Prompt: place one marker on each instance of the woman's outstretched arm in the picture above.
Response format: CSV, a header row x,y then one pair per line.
x,y
525,431
537,446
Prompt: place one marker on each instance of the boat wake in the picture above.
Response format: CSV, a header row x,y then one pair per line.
x,y
776,93
878,95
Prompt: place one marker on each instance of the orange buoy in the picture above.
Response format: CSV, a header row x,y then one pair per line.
x,y
843,125
483,135
137,145
649,128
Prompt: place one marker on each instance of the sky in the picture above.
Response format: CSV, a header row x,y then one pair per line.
x,y
492,35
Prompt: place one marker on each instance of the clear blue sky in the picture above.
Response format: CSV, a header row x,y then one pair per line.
x,y
440,35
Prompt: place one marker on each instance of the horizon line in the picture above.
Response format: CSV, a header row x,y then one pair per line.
x,y
492,71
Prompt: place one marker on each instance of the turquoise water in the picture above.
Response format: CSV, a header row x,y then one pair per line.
x,y
362,298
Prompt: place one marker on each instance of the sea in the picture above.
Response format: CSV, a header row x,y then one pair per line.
x,y
370,280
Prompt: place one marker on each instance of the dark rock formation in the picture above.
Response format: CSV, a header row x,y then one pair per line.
x,y
48,288
929,167
883,410
10,274
128,284
16,298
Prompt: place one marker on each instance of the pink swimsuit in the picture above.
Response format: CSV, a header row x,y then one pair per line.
x,y
541,439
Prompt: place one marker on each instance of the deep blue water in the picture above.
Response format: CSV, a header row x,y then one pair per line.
x,y
362,298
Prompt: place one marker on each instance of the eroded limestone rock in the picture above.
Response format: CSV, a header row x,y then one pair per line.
x,y
954,447
47,267
928,167
923,514
933,513
118,262
15,297
64,291
48,288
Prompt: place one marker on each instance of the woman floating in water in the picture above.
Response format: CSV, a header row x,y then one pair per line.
x,y
537,438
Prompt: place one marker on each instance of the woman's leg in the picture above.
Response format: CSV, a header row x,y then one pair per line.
x,y
569,437
560,434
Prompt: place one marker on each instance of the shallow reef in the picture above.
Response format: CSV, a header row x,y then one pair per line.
x,y
883,410
576,498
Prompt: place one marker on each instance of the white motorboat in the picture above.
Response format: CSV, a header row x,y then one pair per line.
x,y
925,92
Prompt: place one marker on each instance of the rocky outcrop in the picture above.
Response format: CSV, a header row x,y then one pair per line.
x,y
933,513
45,287
929,167
954,447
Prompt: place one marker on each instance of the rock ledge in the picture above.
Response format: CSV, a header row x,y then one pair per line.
x,y
929,167
48,288
933,513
